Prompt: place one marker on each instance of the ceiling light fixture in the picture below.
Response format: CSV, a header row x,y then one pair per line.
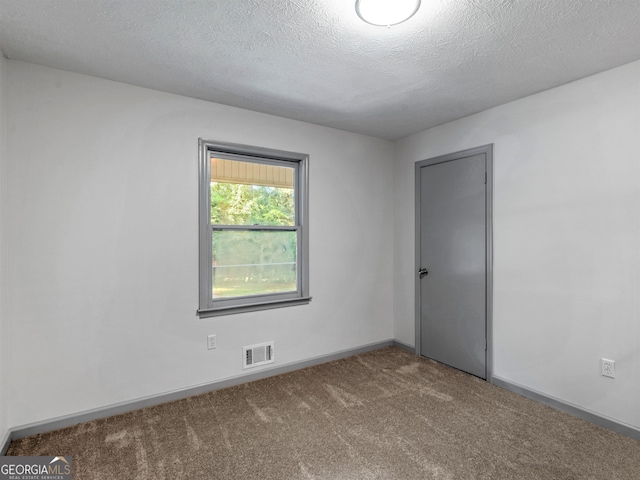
x,y
386,13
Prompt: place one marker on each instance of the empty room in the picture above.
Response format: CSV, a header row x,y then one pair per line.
x,y
320,239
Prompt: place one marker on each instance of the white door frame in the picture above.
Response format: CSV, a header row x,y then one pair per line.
x,y
487,150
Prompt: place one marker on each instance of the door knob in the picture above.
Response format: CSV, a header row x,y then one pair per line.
x,y
423,272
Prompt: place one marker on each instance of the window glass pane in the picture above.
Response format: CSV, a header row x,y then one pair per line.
x,y
248,193
253,263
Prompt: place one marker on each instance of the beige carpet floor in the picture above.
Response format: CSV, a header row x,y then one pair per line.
x,y
386,414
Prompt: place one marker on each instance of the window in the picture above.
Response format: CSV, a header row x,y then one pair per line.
x,y
254,247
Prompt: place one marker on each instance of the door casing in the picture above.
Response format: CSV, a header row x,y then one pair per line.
x,y
487,150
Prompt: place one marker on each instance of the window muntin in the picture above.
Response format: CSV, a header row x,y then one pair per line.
x,y
253,232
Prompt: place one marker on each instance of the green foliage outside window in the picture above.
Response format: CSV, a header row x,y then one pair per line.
x,y
252,262
238,204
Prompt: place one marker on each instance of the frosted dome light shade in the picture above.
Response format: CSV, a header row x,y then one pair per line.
x,y
386,12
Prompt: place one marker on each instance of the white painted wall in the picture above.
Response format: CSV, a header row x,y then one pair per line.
x,y
567,237
3,330
102,233
100,226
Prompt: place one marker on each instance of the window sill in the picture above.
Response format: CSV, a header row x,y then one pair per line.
x,y
254,307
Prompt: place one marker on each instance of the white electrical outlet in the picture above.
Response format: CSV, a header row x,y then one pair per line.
x,y
608,368
211,342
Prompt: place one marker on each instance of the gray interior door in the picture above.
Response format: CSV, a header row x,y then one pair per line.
x,y
453,294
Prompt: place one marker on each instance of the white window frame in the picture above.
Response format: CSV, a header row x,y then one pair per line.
x,y
209,306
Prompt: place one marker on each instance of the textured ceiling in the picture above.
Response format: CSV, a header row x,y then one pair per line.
x,y
315,60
